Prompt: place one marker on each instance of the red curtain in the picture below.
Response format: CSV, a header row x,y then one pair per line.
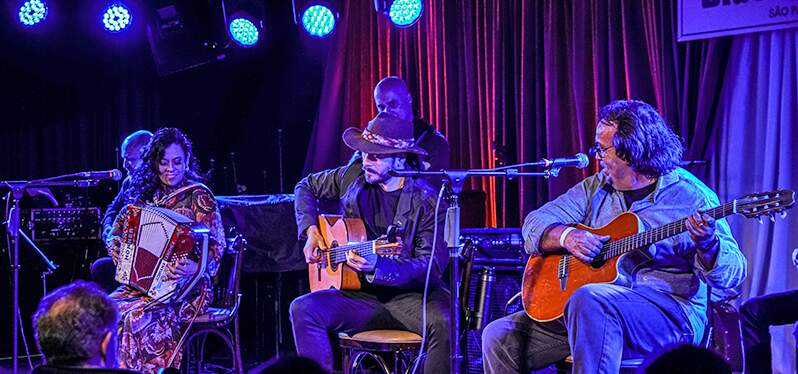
x,y
509,81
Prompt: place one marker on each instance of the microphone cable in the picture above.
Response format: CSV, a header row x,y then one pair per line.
x,y
422,353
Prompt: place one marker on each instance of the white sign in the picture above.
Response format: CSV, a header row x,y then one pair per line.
x,y
701,19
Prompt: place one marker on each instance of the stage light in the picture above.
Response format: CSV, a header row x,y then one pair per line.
x,y
116,17
32,12
318,20
244,32
404,13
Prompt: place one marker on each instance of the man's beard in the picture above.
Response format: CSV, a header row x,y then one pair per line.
x,y
373,178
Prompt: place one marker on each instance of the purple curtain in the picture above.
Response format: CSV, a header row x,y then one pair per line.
x,y
756,151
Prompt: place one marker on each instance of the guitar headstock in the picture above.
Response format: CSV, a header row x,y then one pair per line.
x,y
765,203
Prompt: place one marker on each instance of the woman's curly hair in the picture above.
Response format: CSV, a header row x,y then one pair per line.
x,y
144,179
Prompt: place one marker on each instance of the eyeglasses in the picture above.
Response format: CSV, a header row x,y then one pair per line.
x,y
598,151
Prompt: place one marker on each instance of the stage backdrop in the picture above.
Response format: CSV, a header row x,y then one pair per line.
x,y
514,81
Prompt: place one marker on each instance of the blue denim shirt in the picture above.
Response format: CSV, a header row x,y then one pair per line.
x,y
671,266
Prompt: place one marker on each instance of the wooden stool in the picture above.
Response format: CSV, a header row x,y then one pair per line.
x,y
402,345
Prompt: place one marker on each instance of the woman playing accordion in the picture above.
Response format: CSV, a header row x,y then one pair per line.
x,y
150,329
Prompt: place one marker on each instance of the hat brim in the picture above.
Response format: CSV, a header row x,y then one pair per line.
x,y
353,138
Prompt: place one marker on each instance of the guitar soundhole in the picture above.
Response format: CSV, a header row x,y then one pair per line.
x,y
597,263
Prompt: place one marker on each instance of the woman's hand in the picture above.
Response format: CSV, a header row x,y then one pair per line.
x,y
182,268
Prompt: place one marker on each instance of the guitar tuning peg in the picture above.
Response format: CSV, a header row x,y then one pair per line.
x,y
783,214
772,217
759,219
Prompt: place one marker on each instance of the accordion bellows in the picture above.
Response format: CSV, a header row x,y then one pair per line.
x,y
152,239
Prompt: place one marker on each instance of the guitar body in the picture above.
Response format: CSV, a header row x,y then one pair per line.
x,y
546,289
336,231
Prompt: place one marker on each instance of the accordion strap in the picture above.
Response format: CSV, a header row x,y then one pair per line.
x,y
178,191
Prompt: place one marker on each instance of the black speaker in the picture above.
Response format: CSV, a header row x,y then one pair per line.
x,y
496,277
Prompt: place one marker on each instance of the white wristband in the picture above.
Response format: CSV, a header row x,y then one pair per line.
x,y
564,234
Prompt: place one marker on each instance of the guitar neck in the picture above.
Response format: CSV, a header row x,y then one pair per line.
x,y
647,238
338,254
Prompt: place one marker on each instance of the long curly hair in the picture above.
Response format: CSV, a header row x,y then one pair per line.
x,y
643,138
144,180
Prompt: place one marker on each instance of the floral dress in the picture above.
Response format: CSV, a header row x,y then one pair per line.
x,y
149,330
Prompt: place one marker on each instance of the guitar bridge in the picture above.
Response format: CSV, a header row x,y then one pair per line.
x,y
562,271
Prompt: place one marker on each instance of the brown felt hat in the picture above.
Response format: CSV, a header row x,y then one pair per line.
x,y
385,134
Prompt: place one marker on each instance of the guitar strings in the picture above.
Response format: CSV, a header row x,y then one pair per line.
x,y
646,238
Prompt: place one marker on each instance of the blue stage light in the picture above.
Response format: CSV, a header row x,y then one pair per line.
x,y
318,20
404,13
116,18
32,12
244,32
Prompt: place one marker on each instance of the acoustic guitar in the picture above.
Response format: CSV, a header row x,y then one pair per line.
x,y
551,279
342,235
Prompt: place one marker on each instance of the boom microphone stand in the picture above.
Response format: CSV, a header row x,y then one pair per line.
x,y
12,224
454,180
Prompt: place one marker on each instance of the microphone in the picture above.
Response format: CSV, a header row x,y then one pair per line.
x,y
482,298
114,174
579,161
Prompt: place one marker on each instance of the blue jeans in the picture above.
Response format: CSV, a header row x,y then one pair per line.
x,y
318,317
756,317
602,324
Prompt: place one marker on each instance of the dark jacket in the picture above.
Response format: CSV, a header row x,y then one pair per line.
x,y
433,142
113,209
415,216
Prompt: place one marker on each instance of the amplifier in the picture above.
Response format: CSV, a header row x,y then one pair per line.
x,y
65,224
498,247
498,268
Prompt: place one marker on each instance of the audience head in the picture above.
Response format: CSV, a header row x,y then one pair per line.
x,y
75,325
685,359
289,365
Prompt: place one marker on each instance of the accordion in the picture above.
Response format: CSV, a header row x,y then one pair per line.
x,y
152,239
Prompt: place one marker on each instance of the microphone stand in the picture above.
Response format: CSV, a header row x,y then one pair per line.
x,y
12,224
453,182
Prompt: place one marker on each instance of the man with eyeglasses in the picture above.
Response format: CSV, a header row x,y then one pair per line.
x,y
392,293
660,295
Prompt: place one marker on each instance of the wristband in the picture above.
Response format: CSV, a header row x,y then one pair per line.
x,y
564,234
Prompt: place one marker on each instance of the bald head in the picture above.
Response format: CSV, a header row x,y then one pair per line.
x,y
132,149
392,96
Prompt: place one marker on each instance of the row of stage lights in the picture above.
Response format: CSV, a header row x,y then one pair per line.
x,y
318,18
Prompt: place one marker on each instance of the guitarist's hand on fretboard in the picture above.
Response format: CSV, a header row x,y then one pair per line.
x,y
363,264
701,228
584,245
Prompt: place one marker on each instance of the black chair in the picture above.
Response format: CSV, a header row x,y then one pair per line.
x,y
221,318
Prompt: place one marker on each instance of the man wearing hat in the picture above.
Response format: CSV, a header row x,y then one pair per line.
x,y
392,292
391,95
